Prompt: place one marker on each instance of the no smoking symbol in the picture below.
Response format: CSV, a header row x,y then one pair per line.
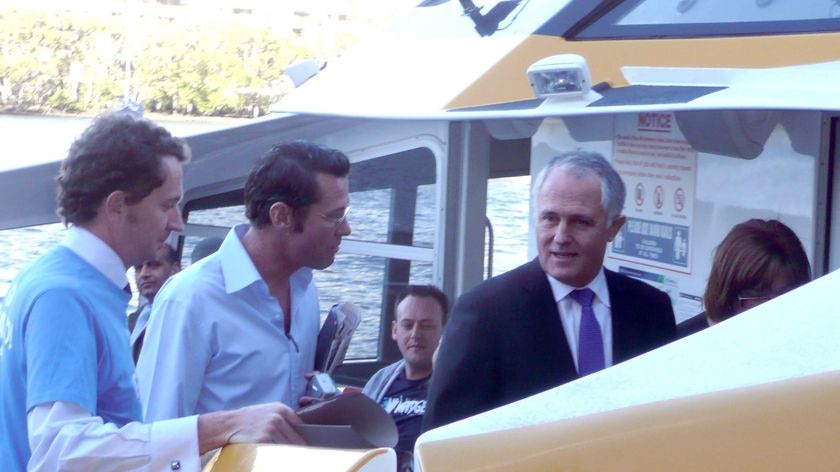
x,y
658,196
679,199
640,194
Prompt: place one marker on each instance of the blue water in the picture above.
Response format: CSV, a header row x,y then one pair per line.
x,y
35,139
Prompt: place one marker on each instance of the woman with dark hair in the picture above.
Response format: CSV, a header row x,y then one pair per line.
x,y
758,260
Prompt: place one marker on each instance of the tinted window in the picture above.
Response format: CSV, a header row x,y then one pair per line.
x,y
705,18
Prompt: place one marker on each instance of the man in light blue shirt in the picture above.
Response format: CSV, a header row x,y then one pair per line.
x,y
240,326
68,398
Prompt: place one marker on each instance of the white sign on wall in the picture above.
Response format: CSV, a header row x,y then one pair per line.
x,y
659,169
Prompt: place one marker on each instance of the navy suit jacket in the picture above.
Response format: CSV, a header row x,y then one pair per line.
x,y
505,341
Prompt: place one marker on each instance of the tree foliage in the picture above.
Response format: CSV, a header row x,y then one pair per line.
x,y
74,61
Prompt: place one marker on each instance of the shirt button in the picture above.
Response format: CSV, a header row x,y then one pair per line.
x,y
175,465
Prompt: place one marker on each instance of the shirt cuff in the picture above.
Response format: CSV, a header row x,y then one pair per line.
x,y
174,445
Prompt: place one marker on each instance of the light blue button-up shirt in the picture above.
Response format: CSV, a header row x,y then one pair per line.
x,y
216,339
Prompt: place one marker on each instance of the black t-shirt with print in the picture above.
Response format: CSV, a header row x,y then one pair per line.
x,y
405,401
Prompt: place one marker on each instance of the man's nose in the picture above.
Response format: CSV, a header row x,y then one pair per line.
x,y
561,233
175,223
344,228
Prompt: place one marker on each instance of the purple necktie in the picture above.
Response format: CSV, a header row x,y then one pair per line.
x,y
590,342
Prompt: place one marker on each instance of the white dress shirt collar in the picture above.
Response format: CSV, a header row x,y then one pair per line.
x,y
238,269
597,285
570,313
97,253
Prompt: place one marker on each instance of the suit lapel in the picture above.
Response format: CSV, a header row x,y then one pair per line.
x,y
540,298
622,312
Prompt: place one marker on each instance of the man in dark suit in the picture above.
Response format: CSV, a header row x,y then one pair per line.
x,y
556,318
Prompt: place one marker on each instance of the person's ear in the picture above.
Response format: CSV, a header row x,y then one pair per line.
x,y
394,330
617,223
115,204
281,215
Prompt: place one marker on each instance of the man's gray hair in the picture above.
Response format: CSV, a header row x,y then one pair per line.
x,y
583,163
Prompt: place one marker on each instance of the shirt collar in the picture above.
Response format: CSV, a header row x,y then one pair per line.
x,y
597,285
238,269
97,253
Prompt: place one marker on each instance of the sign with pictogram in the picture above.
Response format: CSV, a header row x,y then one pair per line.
x,y
658,197
679,199
640,194
650,152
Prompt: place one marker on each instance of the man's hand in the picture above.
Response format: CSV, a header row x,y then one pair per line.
x,y
306,401
266,423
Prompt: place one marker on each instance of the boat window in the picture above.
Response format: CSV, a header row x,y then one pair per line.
x,y
393,216
424,219
357,279
508,203
221,217
421,273
707,18
369,216
469,19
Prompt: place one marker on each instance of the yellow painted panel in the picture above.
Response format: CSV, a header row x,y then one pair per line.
x,y
507,80
790,425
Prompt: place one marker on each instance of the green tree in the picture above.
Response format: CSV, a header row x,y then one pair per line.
x,y
74,61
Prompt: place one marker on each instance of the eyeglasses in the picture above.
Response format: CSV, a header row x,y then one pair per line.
x,y
336,220
750,302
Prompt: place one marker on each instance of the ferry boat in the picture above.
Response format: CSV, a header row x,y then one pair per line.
x,y
712,111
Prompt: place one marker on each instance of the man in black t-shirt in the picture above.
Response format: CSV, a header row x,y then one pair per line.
x,y
400,388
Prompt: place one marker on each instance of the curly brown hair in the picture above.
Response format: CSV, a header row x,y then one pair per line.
x,y
118,151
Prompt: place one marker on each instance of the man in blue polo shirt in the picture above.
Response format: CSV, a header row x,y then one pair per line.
x,y
68,398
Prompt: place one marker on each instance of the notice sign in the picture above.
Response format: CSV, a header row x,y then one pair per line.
x,y
658,167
